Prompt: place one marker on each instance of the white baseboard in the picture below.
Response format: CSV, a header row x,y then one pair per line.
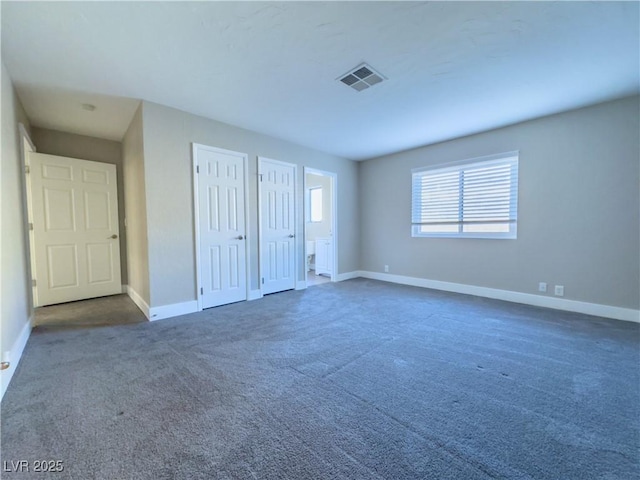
x,y
15,354
172,310
125,288
599,310
301,285
138,300
254,294
341,277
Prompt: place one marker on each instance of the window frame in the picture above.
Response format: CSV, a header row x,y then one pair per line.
x,y
505,158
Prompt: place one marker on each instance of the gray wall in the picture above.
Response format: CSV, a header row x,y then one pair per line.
x,y
16,309
135,207
168,134
71,145
579,209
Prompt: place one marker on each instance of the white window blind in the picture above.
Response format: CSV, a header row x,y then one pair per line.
x,y
475,198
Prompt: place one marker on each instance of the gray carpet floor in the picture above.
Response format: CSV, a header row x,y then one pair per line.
x,y
356,380
104,311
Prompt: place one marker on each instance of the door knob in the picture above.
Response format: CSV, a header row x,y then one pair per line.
x,y
292,236
240,237
114,236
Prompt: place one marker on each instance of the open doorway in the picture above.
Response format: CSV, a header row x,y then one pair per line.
x,y
320,226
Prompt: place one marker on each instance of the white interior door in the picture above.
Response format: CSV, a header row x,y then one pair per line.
x,y
75,229
277,225
221,228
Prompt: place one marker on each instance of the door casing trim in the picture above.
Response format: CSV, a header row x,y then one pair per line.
x,y
27,146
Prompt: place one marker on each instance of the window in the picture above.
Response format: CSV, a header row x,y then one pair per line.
x,y
476,199
315,204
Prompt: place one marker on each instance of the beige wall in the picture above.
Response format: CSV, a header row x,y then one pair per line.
x,y
323,228
135,208
579,209
16,308
71,145
168,134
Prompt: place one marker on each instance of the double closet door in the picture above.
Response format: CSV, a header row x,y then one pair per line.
x,y
221,206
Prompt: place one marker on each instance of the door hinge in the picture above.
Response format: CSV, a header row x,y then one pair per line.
x,y
33,282
197,168
260,175
30,226
263,280
27,169
201,291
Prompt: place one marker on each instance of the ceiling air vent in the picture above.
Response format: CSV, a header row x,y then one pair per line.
x,y
361,77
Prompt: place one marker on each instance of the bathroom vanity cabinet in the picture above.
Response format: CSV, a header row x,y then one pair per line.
x,y
324,255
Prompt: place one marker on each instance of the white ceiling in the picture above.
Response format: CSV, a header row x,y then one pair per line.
x,y
453,68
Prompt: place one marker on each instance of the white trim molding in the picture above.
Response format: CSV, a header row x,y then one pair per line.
x,y
14,356
617,313
173,310
341,277
138,300
164,311
301,285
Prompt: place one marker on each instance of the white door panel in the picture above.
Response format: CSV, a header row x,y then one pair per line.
x,y
62,266
277,225
221,225
75,229
99,260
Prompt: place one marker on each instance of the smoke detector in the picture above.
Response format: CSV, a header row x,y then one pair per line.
x,y
361,77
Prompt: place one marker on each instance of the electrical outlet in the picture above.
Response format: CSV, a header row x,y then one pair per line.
x,y
559,290
6,360
386,269
542,287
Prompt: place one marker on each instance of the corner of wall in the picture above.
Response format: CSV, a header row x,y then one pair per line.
x,y
139,301
133,160
17,309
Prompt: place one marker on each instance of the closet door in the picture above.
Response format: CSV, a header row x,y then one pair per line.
x,y
221,225
277,225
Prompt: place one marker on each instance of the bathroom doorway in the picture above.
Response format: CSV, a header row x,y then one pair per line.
x,y
320,226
